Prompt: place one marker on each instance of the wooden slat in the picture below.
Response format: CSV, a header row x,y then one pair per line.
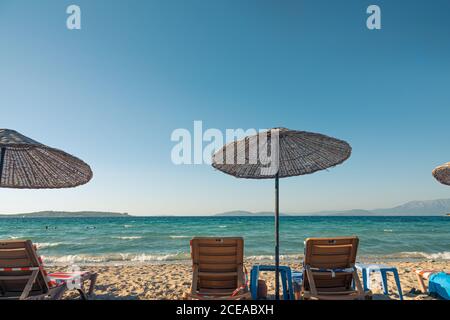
x,y
218,274
329,283
224,267
217,259
218,284
336,291
217,241
18,285
217,251
218,292
16,294
11,278
334,261
327,265
12,244
332,250
13,254
14,263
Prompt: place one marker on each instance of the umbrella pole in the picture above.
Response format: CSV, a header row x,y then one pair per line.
x,y
277,241
2,161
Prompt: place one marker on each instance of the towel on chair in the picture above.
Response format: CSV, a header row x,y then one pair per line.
x,y
440,285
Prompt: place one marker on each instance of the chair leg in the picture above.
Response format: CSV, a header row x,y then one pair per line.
x,y
58,293
290,285
254,274
284,284
365,277
82,294
397,282
93,280
384,280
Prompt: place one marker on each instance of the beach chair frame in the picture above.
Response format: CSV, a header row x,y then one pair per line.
x,y
21,274
218,269
21,266
329,270
84,277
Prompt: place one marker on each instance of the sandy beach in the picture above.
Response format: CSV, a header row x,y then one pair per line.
x,y
170,281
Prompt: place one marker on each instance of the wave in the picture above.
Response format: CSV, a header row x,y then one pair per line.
x,y
115,258
283,257
167,257
406,256
128,237
136,258
440,255
43,245
431,256
179,237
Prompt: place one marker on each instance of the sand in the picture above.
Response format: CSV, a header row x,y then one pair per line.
x,y
171,280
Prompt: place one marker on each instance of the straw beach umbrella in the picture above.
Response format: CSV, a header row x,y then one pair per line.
x,y
27,164
442,173
280,153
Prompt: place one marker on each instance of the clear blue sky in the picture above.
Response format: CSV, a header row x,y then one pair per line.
x,y
113,92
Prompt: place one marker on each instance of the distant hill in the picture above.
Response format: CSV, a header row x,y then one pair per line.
x,y
438,207
428,207
351,213
65,214
245,214
413,208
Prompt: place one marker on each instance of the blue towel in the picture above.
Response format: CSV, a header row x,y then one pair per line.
x,y
440,285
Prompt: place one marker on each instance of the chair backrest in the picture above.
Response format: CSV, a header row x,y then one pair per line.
x,y
331,253
18,260
217,265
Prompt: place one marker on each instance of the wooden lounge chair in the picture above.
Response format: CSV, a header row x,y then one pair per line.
x,y
218,269
329,270
23,276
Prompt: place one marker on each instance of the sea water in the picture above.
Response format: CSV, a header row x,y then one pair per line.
x,y
161,239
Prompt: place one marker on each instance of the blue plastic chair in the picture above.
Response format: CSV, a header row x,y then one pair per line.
x,y
286,280
368,269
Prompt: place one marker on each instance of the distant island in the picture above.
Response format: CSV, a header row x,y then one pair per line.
x,y
413,208
246,214
65,214
440,207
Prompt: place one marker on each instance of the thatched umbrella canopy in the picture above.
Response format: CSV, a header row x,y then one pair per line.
x,y
27,164
442,173
280,153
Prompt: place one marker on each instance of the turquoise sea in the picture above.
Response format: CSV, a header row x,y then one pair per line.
x,y
159,239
